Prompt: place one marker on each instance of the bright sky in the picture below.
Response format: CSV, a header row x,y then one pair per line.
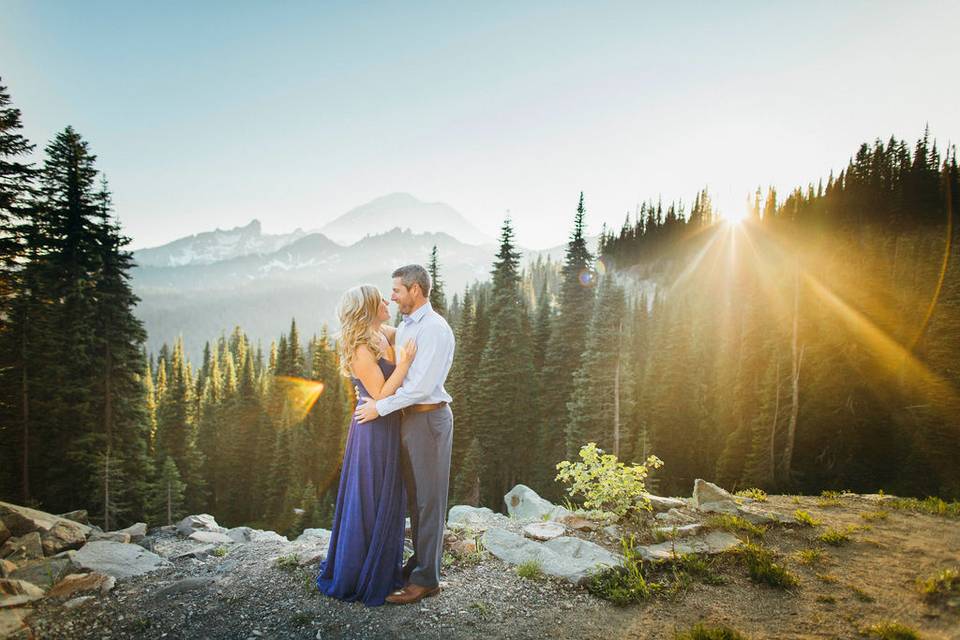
x,y
207,114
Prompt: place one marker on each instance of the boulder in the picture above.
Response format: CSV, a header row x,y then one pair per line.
x,y
477,518
464,547
13,625
82,582
136,531
197,552
199,522
118,559
44,573
705,492
56,533
544,530
524,503
80,515
675,516
246,534
18,592
756,515
114,536
711,543
731,508
680,531
568,558
20,549
660,504
211,537
314,535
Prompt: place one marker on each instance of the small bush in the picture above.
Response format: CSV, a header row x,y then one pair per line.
x,y
763,569
703,632
733,524
624,584
836,537
804,518
288,562
757,494
891,631
810,556
933,506
940,586
604,482
872,516
699,568
825,503
530,570
220,551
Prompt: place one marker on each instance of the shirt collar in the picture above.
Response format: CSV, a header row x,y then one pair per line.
x,y
417,315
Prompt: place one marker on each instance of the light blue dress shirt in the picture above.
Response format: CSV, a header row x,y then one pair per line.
x,y
423,383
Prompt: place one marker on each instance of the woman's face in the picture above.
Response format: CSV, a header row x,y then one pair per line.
x,y
383,312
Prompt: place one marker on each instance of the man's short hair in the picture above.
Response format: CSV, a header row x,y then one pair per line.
x,y
414,274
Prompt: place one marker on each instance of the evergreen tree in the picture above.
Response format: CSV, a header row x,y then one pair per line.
x,y
438,300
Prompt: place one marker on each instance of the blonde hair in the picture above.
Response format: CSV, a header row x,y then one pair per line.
x,y
358,310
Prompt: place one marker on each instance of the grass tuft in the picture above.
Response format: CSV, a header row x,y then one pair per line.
x,y
837,537
891,631
810,556
733,524
530,570
940,586
933,506
288,562
701,631
763,569
757,494
804,518
624,584
873,516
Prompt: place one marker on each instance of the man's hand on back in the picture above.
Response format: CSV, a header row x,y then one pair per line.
x,y
367,411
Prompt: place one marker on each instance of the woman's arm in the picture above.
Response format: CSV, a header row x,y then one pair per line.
x,y
365,367
390,332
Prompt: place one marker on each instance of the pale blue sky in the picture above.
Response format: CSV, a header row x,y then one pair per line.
x,y
209,114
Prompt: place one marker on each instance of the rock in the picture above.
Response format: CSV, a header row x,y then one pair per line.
x,y
572,559
465,514
577,523
81,582
4,532
196,552
118,559
113,536
25,547
240,534
211,537
544,530
731,508
18,592
80,515
314,534
464,547
76,602
184,585
199,522
13,624
681,531
711,543
268,536
136,531
56,533
757,515
612,531
660,504
706,492
675,516
44,573
524,503
6,568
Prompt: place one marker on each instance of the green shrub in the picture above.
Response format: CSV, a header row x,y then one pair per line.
x,y
810,556
698,567
871,516
757,494
931,505
703,632
940,586
733,524
763,569
530,570
836,537
624,584
891,631
804,518
606,483
288,562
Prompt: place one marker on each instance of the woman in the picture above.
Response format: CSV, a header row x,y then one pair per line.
x,y
365,555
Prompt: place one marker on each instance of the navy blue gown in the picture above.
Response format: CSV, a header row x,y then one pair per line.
x,y
365,557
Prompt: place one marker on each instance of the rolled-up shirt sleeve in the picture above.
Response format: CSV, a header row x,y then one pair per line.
x,y
434,347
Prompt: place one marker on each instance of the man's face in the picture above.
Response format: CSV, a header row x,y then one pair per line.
x,y
402,296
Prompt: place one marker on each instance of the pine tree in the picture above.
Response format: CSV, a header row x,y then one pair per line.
x,y
437,298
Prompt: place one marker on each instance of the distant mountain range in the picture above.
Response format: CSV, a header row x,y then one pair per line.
x,y
202,285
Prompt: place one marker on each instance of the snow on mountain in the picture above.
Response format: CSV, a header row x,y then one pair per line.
x,y
407,212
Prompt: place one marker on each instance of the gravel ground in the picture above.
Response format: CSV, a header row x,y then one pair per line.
x,y
244,594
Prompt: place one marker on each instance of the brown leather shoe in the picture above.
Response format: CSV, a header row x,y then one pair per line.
x,y
412,593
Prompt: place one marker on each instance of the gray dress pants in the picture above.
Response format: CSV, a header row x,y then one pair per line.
x,y
426,441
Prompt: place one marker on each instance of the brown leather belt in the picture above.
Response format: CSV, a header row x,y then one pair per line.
x,y
422,408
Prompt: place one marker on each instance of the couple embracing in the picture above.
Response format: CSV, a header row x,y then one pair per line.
x,y
398,448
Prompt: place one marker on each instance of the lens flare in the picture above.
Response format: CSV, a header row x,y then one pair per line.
x,y
601,267
301,393
587,278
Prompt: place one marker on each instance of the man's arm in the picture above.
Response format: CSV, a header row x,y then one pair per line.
x,y
434,346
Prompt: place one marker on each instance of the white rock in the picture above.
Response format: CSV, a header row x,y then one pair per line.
x,y
731,508
675,516
524,503
211,537
572,559
199,522
118,559
681,530
757,515
314,534
544,530
660,504
712,543
136,531
477,518
705,492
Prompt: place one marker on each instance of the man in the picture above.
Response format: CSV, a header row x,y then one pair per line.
x,y
426,429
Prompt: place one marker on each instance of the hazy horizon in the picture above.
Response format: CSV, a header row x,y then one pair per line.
x,y
210,116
